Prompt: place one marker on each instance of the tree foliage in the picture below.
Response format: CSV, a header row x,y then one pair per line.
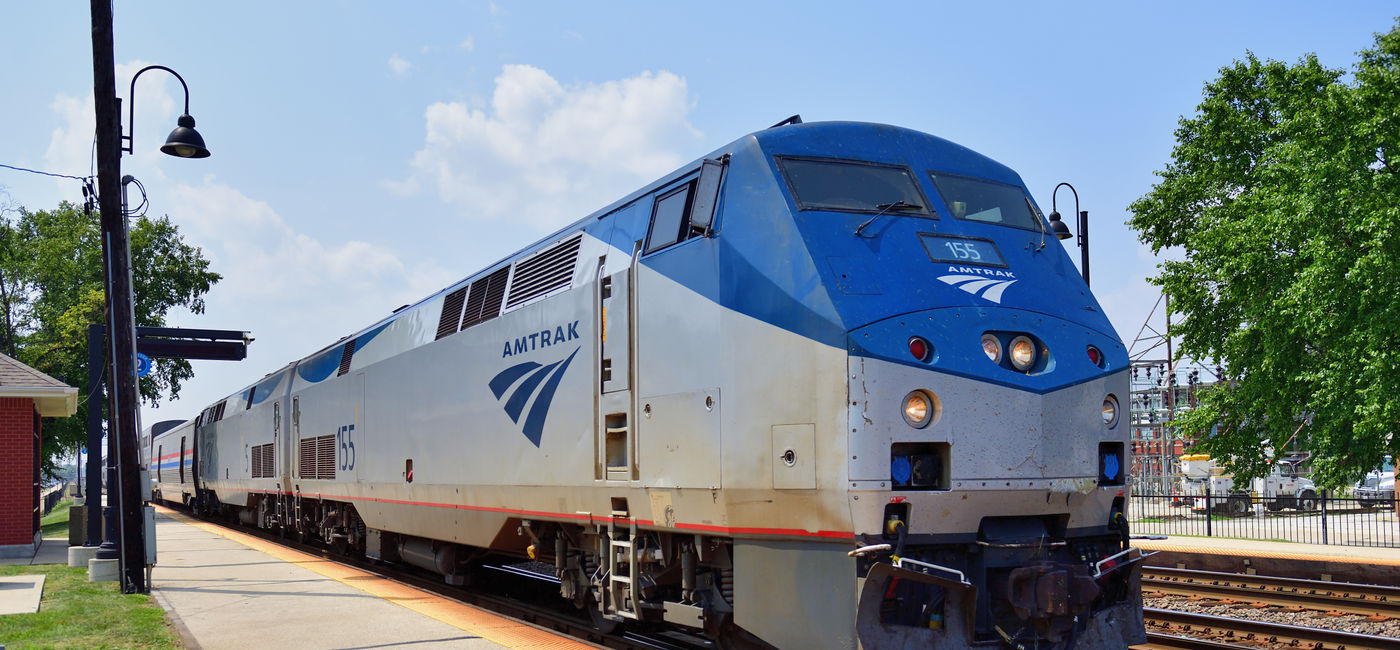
x,y
51,289
1282,193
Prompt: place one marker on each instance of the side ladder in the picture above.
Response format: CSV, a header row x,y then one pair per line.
x,y
621,599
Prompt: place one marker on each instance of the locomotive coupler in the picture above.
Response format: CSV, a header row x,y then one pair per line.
x,y
1052,596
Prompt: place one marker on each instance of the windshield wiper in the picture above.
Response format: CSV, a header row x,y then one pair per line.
x,y
886,207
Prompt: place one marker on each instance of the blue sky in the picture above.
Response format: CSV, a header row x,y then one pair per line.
x,y
366,154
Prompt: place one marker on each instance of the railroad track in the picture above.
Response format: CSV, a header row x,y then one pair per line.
x,y
572,624
1365,600
1166,627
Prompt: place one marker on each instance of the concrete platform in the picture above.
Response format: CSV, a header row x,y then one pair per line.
x,y
20,594
1363,564
224,589
52,550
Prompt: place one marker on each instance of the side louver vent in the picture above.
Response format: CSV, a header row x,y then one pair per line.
x,y
325,456
262,460
347,353
451,312
317,457
484,299
547,270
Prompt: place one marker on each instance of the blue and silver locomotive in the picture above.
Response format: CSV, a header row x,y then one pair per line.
x,y
833,385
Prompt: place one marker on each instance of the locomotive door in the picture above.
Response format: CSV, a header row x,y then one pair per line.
x,y
615,452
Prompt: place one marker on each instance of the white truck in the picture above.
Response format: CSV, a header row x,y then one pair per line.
x,y
1378,488
1281,488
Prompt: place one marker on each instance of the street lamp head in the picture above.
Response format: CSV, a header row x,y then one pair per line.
x,y
1058,226
185,142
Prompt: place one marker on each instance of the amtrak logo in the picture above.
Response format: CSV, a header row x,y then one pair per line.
x,y
544,378
977,285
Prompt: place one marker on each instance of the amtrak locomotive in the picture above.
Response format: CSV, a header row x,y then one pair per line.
x,y
833,385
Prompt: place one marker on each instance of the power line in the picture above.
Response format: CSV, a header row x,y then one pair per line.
x,y
35,171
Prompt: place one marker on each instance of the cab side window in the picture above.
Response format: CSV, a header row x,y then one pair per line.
x,y
670,219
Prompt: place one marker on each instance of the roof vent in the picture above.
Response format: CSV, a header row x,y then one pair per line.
x,y
545,271
451,312
484,299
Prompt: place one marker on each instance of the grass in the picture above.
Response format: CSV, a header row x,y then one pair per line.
x,y
55,524
75,613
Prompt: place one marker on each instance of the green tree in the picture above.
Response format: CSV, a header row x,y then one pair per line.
x,y
51,290
1283,200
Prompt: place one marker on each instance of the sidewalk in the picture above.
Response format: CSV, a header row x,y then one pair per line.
x,y
21,594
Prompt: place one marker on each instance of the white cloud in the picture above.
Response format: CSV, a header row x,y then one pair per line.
x,y
295,293
545,153
399,65
468,43
264,259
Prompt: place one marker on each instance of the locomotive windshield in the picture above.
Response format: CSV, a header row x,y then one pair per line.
x,y
985,201
851,186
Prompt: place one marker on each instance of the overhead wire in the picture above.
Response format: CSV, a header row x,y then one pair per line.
x,y
44,173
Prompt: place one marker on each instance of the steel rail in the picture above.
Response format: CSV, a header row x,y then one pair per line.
x,y
1366,600
1159,641
1240,630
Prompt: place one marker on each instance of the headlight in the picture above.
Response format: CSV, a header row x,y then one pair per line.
x,y
992,347
918,409
1110,411
1022,353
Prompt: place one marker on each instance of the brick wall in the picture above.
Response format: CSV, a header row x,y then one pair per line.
x,y
16,471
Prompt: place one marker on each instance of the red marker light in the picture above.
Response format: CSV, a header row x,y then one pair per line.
x,y
1095,357
920,348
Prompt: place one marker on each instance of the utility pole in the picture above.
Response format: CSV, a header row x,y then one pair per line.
x,y
120,319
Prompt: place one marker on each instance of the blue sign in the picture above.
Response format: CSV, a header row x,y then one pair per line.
x,y
143,365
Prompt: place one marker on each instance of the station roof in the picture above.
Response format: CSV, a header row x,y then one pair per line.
x,y
52,398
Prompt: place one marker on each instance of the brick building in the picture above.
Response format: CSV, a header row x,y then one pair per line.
x,y
26,395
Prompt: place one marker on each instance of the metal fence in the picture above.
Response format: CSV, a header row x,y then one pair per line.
x,y
52,496
1154,510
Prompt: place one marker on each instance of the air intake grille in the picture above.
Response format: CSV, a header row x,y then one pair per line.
x,y
325,456
484,300
451,312
262,460
347,353
550,269
317,457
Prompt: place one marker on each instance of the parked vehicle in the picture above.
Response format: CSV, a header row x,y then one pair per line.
x,y
1283,487
1378,488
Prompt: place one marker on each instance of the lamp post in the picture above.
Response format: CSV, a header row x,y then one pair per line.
x,y
1062,231
185,142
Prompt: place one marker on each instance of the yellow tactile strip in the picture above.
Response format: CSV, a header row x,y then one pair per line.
x,y
1257,553
512,634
